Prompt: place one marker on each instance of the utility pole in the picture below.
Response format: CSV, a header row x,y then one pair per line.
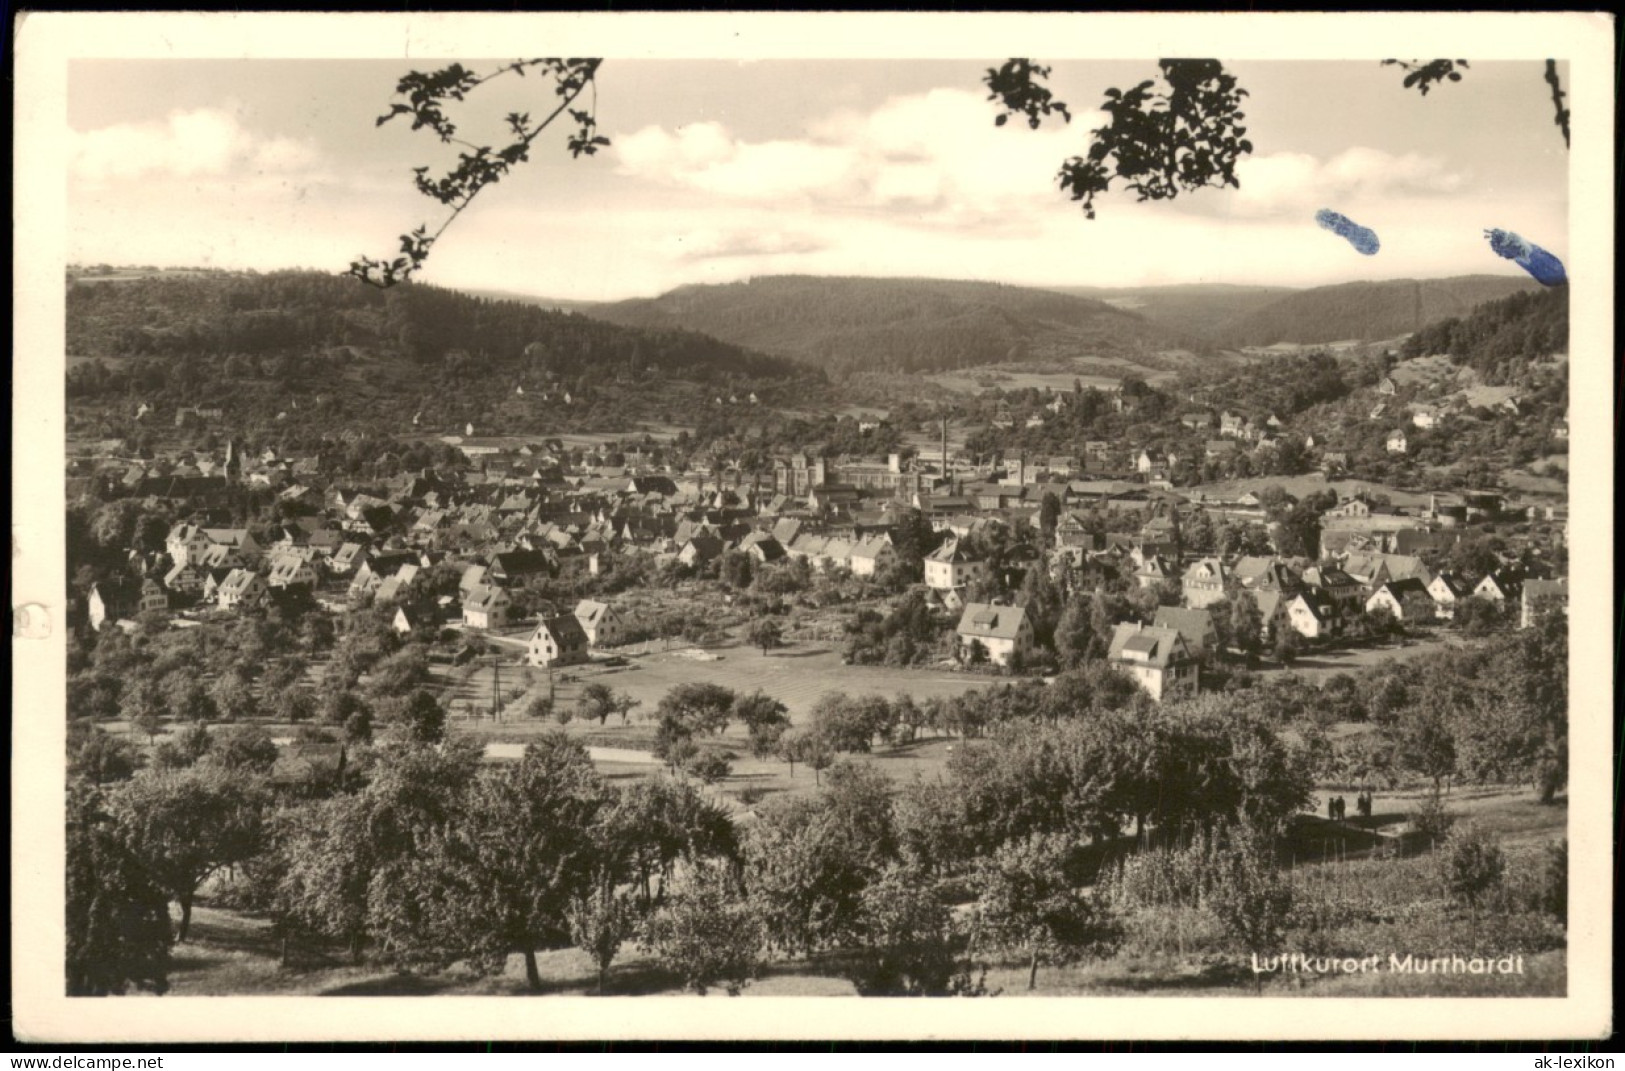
x,y
496,687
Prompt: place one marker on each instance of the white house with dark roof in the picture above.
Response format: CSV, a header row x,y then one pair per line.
x,y
486,607
1158,659
1001,631
1204,583
1392,596
949,567
241,589
599,622
1446,589
558,640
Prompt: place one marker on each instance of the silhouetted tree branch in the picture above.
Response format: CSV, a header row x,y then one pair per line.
x,y
482,165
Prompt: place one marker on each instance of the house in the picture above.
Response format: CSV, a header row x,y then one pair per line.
x,y
1194,626
700,549
1500,586
948,567
122,598
762,548
1427,417
1158,659
486,607
1263,574
348,558
1392,596
1386,386
1311,614
1153,570
1003,632
242,589
516,569
1397,443
600,623
1204,583
1272,606
1343,591
185,543
1446,590
289,570
1538,598
871,555
186,579
558,640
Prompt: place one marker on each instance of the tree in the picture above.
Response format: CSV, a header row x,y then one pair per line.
x,y
735,569
596,703
1026,904
766,633
1247,624
98,756
1250,897
425,94
1423,76
423,718
248,748
349,865
709,763
911,945
707,934
143,705
1472,866
503,875
808,859
1287,645
698,707
118,930
1161,140
766,719
601,920
1049,515
183,825
233,698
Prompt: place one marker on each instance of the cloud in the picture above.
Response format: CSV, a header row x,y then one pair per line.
x,y
713,244
935,158
204,143
1286,184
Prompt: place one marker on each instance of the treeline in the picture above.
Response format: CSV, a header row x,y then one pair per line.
x,y
1364,310
281,312
1501,339
897,325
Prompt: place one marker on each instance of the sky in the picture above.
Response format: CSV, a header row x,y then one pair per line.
x,y
720,170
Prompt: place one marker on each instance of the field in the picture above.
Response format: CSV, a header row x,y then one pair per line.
x,y
797,676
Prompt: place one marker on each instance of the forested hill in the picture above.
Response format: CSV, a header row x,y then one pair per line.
x,y
1500,340
1364,310
848,324
1194,309
291,312
303,346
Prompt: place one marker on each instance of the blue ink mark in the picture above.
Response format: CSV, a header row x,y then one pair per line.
x,y
1546,269
1363,239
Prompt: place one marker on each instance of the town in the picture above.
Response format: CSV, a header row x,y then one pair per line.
x,y
1230,612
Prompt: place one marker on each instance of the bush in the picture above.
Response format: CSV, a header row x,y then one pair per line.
x,y
709,764
1432,820
1473,867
